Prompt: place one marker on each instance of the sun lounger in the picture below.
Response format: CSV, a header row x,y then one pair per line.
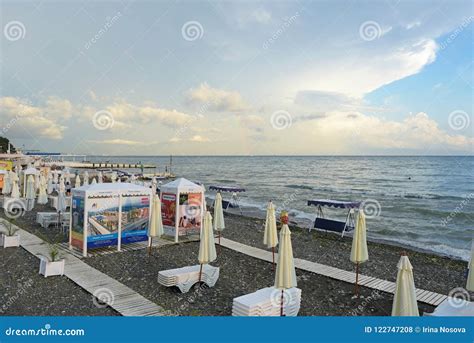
x,y
266,302
453,307
184,278
45,219
53,201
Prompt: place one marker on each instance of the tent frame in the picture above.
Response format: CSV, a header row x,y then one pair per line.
x,y
349,223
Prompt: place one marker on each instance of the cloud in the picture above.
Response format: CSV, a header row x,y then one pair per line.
x,y
262,16
253,122
20,119
217,99
118,141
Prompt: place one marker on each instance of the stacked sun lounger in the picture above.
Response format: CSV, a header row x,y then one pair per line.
x,y
267,302
45,219
53,201
184,278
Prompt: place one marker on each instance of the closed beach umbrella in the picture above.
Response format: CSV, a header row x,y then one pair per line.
x,y
7,185
30,193
85,178
100,178
42,196
113,177
270,237
404,301
55,176
207,247
37,181
49,188
67,176
93,181
285,273
470,277
61,186
15,193
61,206
77,182
156,224
359,253
219,224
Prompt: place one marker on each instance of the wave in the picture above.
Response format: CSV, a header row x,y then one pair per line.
x,y
299,187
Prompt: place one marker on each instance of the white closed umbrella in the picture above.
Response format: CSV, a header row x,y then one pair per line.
x,y
219,224
15,193
50,187
85,178
77,182
270,236
55,176
359,252
113,177
42,196
30,193
61,206
470,276
94,181
61,186
67,176
404,301
155,230
37,181
285,276
207,247
7,185
100,178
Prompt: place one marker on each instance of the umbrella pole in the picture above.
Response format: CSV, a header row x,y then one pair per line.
x,y
150,242
281,304
273,256
357,280
220,243
200,273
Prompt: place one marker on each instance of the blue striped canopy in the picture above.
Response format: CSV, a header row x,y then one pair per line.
x,y
334,203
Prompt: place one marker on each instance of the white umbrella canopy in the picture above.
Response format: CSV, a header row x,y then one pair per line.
x,y
285,274
77,182
219,224
359,252
62,186
42,196
15,193
94,181
30,193
404,301
100,178
7,185
85,178
156,224
270,237
50,188
207,247
61,202
55,176
113,177
37,181
470,276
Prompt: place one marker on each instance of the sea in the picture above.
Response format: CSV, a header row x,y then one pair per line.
x,y
421,202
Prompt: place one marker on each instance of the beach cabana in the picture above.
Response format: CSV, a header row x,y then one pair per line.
x,y
182,207
109,214
234,201
323,223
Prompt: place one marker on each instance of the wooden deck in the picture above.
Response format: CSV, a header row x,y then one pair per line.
x,y
123,299
424,296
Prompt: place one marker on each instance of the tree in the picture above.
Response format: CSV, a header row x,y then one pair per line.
x,y
4,145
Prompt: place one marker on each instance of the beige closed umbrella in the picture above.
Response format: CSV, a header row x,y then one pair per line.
x,y
155,229
30,193
219,224
470,276
77,182
85,178
285,276
359,253
270,236
404,300
7,186
15,193
207,247
42,195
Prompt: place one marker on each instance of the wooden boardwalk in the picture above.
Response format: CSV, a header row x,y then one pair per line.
x,y
120,297
424,296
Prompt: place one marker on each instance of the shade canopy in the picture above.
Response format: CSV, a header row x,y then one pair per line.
x,y
226,188
219,224
285,274
181,185
156,224
404,300
207,247
270,237
107,189
334,203
359,253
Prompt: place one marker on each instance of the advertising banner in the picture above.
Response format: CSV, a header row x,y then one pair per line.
x,y
190,213
168,213
135,218
102,221
77,227
6,165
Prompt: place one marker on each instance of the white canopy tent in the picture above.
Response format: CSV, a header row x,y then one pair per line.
x,y
109,214
183,206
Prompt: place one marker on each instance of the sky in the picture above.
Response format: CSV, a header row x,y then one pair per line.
x,y
238,77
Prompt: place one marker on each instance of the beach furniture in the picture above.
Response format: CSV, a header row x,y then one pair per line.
x,y
359,253
266,302
234,201
184,278
337,226
404,300
45,219
53,201
453,307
